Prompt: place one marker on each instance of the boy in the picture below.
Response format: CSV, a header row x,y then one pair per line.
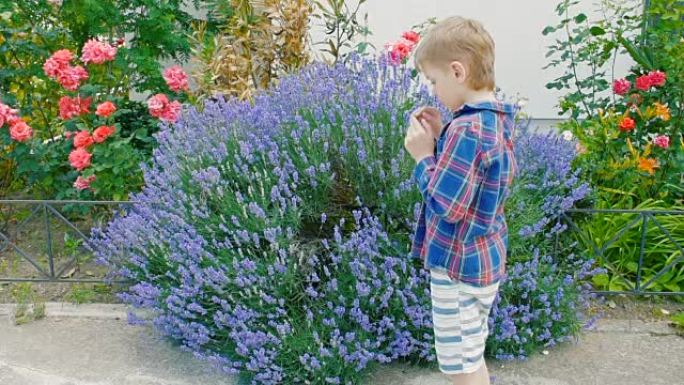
x,y
464,180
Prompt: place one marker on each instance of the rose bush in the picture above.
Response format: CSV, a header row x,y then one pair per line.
x,y
103,162
103,50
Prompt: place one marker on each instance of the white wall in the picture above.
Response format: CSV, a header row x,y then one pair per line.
x,y
516,26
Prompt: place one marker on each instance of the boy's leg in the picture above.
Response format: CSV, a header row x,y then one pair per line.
x,y
460,314
480,377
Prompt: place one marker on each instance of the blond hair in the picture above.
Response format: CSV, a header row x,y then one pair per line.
x,y
459,39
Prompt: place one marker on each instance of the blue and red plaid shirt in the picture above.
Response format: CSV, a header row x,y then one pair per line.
x,y
462,227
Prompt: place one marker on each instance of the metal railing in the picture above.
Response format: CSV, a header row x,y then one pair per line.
x,y
646,218
54,271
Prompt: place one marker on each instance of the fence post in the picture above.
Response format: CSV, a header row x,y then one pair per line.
x,y
48,231
642,247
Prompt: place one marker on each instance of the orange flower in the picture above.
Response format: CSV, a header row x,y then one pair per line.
x,y
662,111
648,164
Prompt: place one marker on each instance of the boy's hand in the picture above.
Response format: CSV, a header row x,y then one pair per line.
x,y
431,119
419,142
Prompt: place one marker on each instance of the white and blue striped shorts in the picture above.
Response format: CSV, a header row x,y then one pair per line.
x,y
459,314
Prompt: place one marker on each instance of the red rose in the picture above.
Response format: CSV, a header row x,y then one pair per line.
x,y
102,133
411,36
657,78
643,83
627,124
621,86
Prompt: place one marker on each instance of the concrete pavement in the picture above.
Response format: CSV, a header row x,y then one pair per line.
x,y
93,345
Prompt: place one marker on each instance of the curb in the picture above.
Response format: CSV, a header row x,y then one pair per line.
x,y
633,326
120,312
69,310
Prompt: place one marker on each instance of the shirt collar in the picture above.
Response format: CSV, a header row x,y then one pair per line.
x,y
496,106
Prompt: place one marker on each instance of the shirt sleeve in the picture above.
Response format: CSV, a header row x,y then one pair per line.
x,y
448,184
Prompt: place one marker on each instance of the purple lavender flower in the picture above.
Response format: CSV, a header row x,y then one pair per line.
x,y
277,231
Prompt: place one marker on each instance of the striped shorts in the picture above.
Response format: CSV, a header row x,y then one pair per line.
x,y
459,314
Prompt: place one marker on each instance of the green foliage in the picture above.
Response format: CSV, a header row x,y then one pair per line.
x,y
341,28
158,30
587,50
623,162
602,237
30,30
30,306
678,320
664,43
86,293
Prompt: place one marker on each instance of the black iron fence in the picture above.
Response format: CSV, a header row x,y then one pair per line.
x,y
48,267
646,219
40,263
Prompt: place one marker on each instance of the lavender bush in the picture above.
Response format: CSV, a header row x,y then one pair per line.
x,y
541,302
273,237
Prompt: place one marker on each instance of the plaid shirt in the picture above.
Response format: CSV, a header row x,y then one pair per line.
x,y
461,227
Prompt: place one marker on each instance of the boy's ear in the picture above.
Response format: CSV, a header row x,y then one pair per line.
x,y
459,71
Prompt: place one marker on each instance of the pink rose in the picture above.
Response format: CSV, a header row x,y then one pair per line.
x,y
71,107
643,83
657,78
171,112
7,114
105,109
97,52
102,133
63,56
68,134
160,107
411,36
82,183
156,104
52,68
176,79
400,50
71,77
58,62
79,158
20,131
83,139
621,86
662,141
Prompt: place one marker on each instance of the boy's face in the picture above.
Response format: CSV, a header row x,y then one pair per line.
x,y
448,83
